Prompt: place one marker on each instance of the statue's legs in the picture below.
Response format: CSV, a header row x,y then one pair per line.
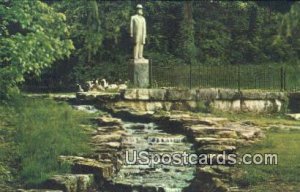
x,y
136,51
141,49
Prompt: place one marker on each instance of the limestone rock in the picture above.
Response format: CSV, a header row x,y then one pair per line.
x,y
143,94
106,138
82,165
216,141
228,94
157,94
109,121
71,182
130,94
181,95
207,94
100,170
216,148
295,116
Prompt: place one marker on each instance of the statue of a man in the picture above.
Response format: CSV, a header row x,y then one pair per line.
x,y
138,32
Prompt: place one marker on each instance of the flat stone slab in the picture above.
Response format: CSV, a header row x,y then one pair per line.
x,y
295,116
71,182
214,140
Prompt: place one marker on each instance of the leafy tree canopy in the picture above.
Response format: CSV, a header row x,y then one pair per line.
x,y
33,36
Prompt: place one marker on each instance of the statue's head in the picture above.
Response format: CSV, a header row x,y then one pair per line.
x,y
139,9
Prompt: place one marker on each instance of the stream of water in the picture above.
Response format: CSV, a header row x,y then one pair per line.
x,y
149,137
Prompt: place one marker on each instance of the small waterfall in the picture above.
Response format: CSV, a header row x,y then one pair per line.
x,y
166,139
168,178
148,137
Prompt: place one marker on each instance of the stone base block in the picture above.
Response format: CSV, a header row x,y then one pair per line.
x,y
139,73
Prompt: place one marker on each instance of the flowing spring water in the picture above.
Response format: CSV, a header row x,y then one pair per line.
x,y
147,137
150,138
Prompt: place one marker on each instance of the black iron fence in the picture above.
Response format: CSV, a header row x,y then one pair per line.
x,y
224,76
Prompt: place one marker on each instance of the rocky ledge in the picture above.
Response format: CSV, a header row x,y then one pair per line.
x,y
210,136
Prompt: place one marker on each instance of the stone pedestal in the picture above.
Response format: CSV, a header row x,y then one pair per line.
x,y
139,73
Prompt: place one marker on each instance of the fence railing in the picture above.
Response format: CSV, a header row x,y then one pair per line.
x,y
225,76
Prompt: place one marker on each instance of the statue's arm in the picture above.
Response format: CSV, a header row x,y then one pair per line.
x,y
131,27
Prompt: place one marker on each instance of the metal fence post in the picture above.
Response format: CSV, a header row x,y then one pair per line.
x,y
150,74
281,79
284,79
191,75
239,77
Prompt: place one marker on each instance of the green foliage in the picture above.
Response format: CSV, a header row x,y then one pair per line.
x,y
33,36
43,130
202,32
186,41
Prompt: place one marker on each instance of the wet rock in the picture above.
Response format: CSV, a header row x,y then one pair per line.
x,y
109,121
220,185
70,182
110,129
100,170
166,139
82,165
106,138
208,171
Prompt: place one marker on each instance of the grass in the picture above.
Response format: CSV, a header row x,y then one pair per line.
x,y
281,177
34,133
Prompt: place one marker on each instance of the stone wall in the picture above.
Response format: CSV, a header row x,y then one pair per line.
x,y
192,100
220,99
